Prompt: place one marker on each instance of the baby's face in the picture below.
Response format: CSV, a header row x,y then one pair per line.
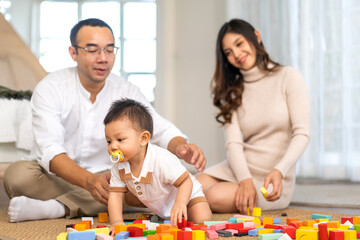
x,y
121,136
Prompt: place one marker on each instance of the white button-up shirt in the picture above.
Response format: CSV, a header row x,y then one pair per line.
x,y
66,121
156,186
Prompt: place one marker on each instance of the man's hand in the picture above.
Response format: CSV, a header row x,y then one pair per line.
x,y
98,186
189,152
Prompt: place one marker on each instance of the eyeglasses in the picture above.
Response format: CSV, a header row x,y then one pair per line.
x,y
93,50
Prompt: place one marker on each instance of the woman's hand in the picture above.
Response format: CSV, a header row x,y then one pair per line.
x,y
246,196
274,178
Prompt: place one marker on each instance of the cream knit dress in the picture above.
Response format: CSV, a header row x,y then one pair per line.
x,y
271,129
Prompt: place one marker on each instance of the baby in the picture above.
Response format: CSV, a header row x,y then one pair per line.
x,y
152,174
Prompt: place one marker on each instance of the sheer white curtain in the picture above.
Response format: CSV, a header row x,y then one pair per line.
x,y
321,39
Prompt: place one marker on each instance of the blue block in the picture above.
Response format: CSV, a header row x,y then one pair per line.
x,y
232,220
122,235
167,222
81,235
276,220
254,232
277,230
317,216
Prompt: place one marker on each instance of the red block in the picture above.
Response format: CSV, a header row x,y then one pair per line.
x,y
197,227
101,226
289,230
183,223
273,226
245,230
336,235
135,231
344,219
295,224
138,221
323,232
184,235
235,226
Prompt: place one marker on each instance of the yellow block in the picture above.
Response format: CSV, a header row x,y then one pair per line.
x,y
62,236
173,231
256,212
257,221
343,227
306,227
138,225
167,237
104,230
80,227
323,220
198,235
264,191
265,231
307,234
349,234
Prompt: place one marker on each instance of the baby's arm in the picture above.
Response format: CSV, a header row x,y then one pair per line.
x,y
115,206
182,198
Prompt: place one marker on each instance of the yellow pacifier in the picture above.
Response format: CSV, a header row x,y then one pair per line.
x,y
116,156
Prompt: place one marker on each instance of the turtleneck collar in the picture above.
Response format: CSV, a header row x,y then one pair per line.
x,y
252,75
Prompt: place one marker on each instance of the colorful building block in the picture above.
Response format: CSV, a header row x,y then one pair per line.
x,y
336,235
103,217
344,219
122,235
317,216
198,235
264,192
271,236
184,235
83,235
103,236
212,234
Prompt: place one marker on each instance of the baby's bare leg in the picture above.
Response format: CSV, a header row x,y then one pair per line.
x,y
199,212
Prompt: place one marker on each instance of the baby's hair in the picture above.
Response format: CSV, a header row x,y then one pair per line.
x,y
136,112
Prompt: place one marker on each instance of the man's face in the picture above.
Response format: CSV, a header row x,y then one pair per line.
x,y
93,67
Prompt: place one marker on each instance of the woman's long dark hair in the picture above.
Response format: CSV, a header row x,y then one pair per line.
x,y
228,84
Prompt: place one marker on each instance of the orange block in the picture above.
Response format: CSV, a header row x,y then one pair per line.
x,y
174,231
80,227
333,224
153,237
290,220
163,228
357,220
268,220
87,223
309,223
120,228
103,217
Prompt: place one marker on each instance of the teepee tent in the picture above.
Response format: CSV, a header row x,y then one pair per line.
x,y
19,68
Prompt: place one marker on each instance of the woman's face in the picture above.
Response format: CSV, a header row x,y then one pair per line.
x,y
238,51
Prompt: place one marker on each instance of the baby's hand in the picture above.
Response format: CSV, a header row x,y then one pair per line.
x,y
112,227
177,212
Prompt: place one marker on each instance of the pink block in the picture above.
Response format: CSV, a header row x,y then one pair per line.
x,y
219,226
103,236
233,231
212,234
249,225
71,230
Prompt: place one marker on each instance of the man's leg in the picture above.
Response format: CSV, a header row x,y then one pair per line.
x,y
27,178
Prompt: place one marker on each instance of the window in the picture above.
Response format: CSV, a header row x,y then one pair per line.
x,y
4,7
134,27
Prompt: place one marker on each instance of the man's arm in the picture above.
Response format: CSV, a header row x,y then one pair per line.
x,y
97,184
189,152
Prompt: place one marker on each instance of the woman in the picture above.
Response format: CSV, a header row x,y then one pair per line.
x,y
265,110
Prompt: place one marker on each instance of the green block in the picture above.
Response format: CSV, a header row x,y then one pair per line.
x,y
209,223
357,227
232,220
149,232
270,236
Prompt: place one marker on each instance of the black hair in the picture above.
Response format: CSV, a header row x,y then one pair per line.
x,y
93,22
135,111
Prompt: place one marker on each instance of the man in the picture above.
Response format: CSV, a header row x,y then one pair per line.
x,y
71,177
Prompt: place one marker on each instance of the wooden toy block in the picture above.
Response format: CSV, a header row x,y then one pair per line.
x,y
212,234
61,236
105,230
103,236
71,230
198,235
358,234
240,234
103,217
285,237
267,220
333,224
309,223
317,216
276,220
232,220
235,226
210,223
323,231
233,231
223,233
249,225
120,228
245,230
101,226
138,221
336,235
152,225
289,230
163,228
323,220
197,226
257,221
349,234
307,234
343,227
166,236
266,231
87,223
271,236
264,192
135,231
290,220
173,231
357,220
357,227
80,227
295,224
189,223
88,219
219,226
149,232
83,235
256,212
344,219
184,235
153,237
139,225
182,224
122,235
272,226
254,232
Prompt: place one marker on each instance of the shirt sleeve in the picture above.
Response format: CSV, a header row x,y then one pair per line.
x,y
235,149
299,110
115,180
47,128
164,130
